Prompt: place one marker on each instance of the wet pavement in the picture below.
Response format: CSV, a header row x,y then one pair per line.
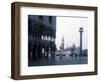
x,y
57,60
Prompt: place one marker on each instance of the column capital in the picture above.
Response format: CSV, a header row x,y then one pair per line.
x,y
81,29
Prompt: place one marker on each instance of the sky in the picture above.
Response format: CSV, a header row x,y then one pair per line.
x,y
68,27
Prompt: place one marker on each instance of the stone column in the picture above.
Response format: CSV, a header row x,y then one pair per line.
x,y
81,30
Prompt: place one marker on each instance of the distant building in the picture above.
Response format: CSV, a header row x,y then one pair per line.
x,y
72,51
41,36
85,52
75,51
62,44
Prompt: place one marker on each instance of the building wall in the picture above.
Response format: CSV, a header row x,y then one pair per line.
x,y
41,36
45,20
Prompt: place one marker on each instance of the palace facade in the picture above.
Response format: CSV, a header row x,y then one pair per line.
x,y
41,36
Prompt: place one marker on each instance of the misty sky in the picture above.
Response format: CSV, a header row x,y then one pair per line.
x,y
68,27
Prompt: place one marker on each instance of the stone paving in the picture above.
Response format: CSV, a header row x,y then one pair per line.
x,y
58,60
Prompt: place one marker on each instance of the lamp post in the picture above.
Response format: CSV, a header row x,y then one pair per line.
x,y
81,30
